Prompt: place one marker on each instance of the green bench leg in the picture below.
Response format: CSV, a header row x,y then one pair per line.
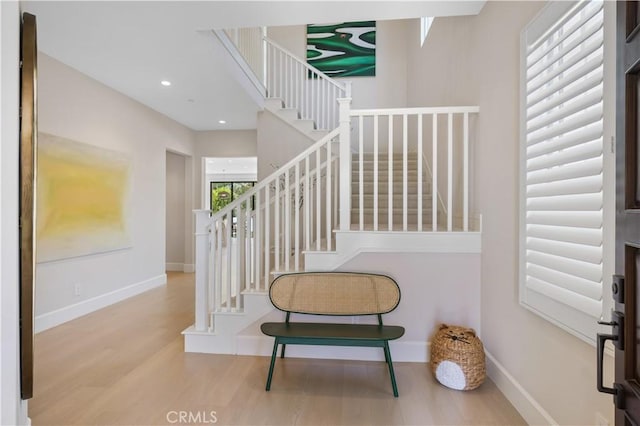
x,y
387,355
282,351
273,363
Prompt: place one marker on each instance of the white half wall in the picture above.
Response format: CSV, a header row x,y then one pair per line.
x,y
548,374
13,411
74,106
435,288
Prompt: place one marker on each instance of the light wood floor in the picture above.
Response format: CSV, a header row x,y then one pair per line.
x,y
125,364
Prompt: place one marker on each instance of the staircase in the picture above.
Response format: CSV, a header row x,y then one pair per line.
x,y
292,116
374,181
368,213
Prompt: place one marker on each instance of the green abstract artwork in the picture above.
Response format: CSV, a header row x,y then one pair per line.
x,y
346,49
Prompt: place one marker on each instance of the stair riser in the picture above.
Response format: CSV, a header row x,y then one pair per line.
x,y
397,220
273,103
383,188
411,203
306,126
383,166
412,175
383,154
397,211
289,114
368,197
292,116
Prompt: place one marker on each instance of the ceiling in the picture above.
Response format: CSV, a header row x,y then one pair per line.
x,y
133,45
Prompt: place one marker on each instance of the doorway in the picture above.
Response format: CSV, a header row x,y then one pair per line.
x,y
226,178
178,255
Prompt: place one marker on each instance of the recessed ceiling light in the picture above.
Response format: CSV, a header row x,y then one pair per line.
x,y
222,122
165,83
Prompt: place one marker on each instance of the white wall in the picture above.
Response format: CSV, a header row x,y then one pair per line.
x,y
278,142
436,288
77,107
12,410
219,143
388,88
231,177
475,60
175,211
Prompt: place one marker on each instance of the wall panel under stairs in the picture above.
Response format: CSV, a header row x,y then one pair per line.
x,y
436,288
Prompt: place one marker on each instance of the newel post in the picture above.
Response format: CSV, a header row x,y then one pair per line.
x,y
345,163
202,220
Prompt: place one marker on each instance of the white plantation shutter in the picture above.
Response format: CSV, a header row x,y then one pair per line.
x,y
561,241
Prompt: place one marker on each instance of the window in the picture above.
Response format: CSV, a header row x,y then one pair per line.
x,y
562,198
223,193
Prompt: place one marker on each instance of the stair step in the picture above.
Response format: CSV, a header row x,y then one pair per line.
x,y
412,202
383,187
306,126
290,114
411,227
368,175
368,157
384,155
273,103
397,210
397,225
384,197
397,219
384,164
318,134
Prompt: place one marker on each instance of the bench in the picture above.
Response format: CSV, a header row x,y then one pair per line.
x,y
333,294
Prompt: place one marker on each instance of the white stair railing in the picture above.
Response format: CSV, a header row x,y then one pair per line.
x,y
285,76
303,87
394,138
250,44
265,231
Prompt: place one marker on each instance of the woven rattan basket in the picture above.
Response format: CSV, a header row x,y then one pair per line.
x,y
457,358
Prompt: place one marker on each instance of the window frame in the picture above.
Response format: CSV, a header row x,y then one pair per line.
x,y
559,314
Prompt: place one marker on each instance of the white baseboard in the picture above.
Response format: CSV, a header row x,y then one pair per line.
x,y
23,413
527,406
187,268
68,313
174,267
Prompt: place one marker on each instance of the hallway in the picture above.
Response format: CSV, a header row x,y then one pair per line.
x,y
125,364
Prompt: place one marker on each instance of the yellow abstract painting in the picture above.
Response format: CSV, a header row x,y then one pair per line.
x,y
82,199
